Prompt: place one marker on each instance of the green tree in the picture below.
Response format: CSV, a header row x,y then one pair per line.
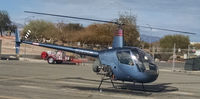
x,y
41,31
4,21
144,45
93,34
11,29
197,46
103,33
97,34
168,41
68,32
131,34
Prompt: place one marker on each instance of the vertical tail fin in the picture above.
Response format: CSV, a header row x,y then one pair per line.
x,y
17,41
118,39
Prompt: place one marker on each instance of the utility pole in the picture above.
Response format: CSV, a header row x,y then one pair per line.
x,y
0,47
153,52
188,52
174,56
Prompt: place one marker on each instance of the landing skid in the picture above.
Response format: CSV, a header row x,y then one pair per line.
x,y
103,78
111,80
142,85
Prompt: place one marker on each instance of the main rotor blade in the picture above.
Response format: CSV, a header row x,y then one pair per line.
x,y
64,16
184,32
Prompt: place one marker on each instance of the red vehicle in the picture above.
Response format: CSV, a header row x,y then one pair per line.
x,y
59,57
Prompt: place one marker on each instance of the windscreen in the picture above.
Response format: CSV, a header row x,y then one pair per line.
x,y
143,60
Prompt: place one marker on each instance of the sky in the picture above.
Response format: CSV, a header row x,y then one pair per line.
x,y
183,15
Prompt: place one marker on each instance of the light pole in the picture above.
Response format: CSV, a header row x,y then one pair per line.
x,y
188,52
174,57
151,45
151,33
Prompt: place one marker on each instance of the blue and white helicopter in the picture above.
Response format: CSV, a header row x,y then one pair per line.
x,y
121,63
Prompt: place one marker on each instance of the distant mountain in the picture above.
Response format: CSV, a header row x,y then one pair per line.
x,y
149,39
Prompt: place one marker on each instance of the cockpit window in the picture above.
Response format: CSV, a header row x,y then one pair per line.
x,y
142,56
124,57
143,60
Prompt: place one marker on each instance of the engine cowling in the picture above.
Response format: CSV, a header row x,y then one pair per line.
x,y
101,69
96,66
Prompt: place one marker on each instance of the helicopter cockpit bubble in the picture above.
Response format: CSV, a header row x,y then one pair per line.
x,y
143,60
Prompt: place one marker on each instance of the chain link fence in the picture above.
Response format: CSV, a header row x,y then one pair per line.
x,y
176,59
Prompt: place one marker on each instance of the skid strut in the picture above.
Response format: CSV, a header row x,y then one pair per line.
x,y
143,87
103,78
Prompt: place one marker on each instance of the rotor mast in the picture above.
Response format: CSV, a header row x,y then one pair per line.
x,y
118,40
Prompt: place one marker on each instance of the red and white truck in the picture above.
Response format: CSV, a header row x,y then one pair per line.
x,y
59,57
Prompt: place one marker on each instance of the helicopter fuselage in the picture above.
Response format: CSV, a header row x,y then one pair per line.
x,y
129,64
124,63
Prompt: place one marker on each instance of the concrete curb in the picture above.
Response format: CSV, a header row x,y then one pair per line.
x,y
33,60
181,71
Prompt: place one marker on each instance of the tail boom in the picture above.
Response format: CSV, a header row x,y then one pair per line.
x,y
81,51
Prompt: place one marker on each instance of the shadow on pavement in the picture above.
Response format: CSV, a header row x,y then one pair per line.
x,y
126,88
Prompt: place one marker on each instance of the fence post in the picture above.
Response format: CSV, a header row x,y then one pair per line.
x,y
0,47
153,53
188,52
174,56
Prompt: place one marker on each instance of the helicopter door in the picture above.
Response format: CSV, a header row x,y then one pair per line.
x,y
126,64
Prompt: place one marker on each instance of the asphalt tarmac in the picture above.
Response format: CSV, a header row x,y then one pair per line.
x,y
40,80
